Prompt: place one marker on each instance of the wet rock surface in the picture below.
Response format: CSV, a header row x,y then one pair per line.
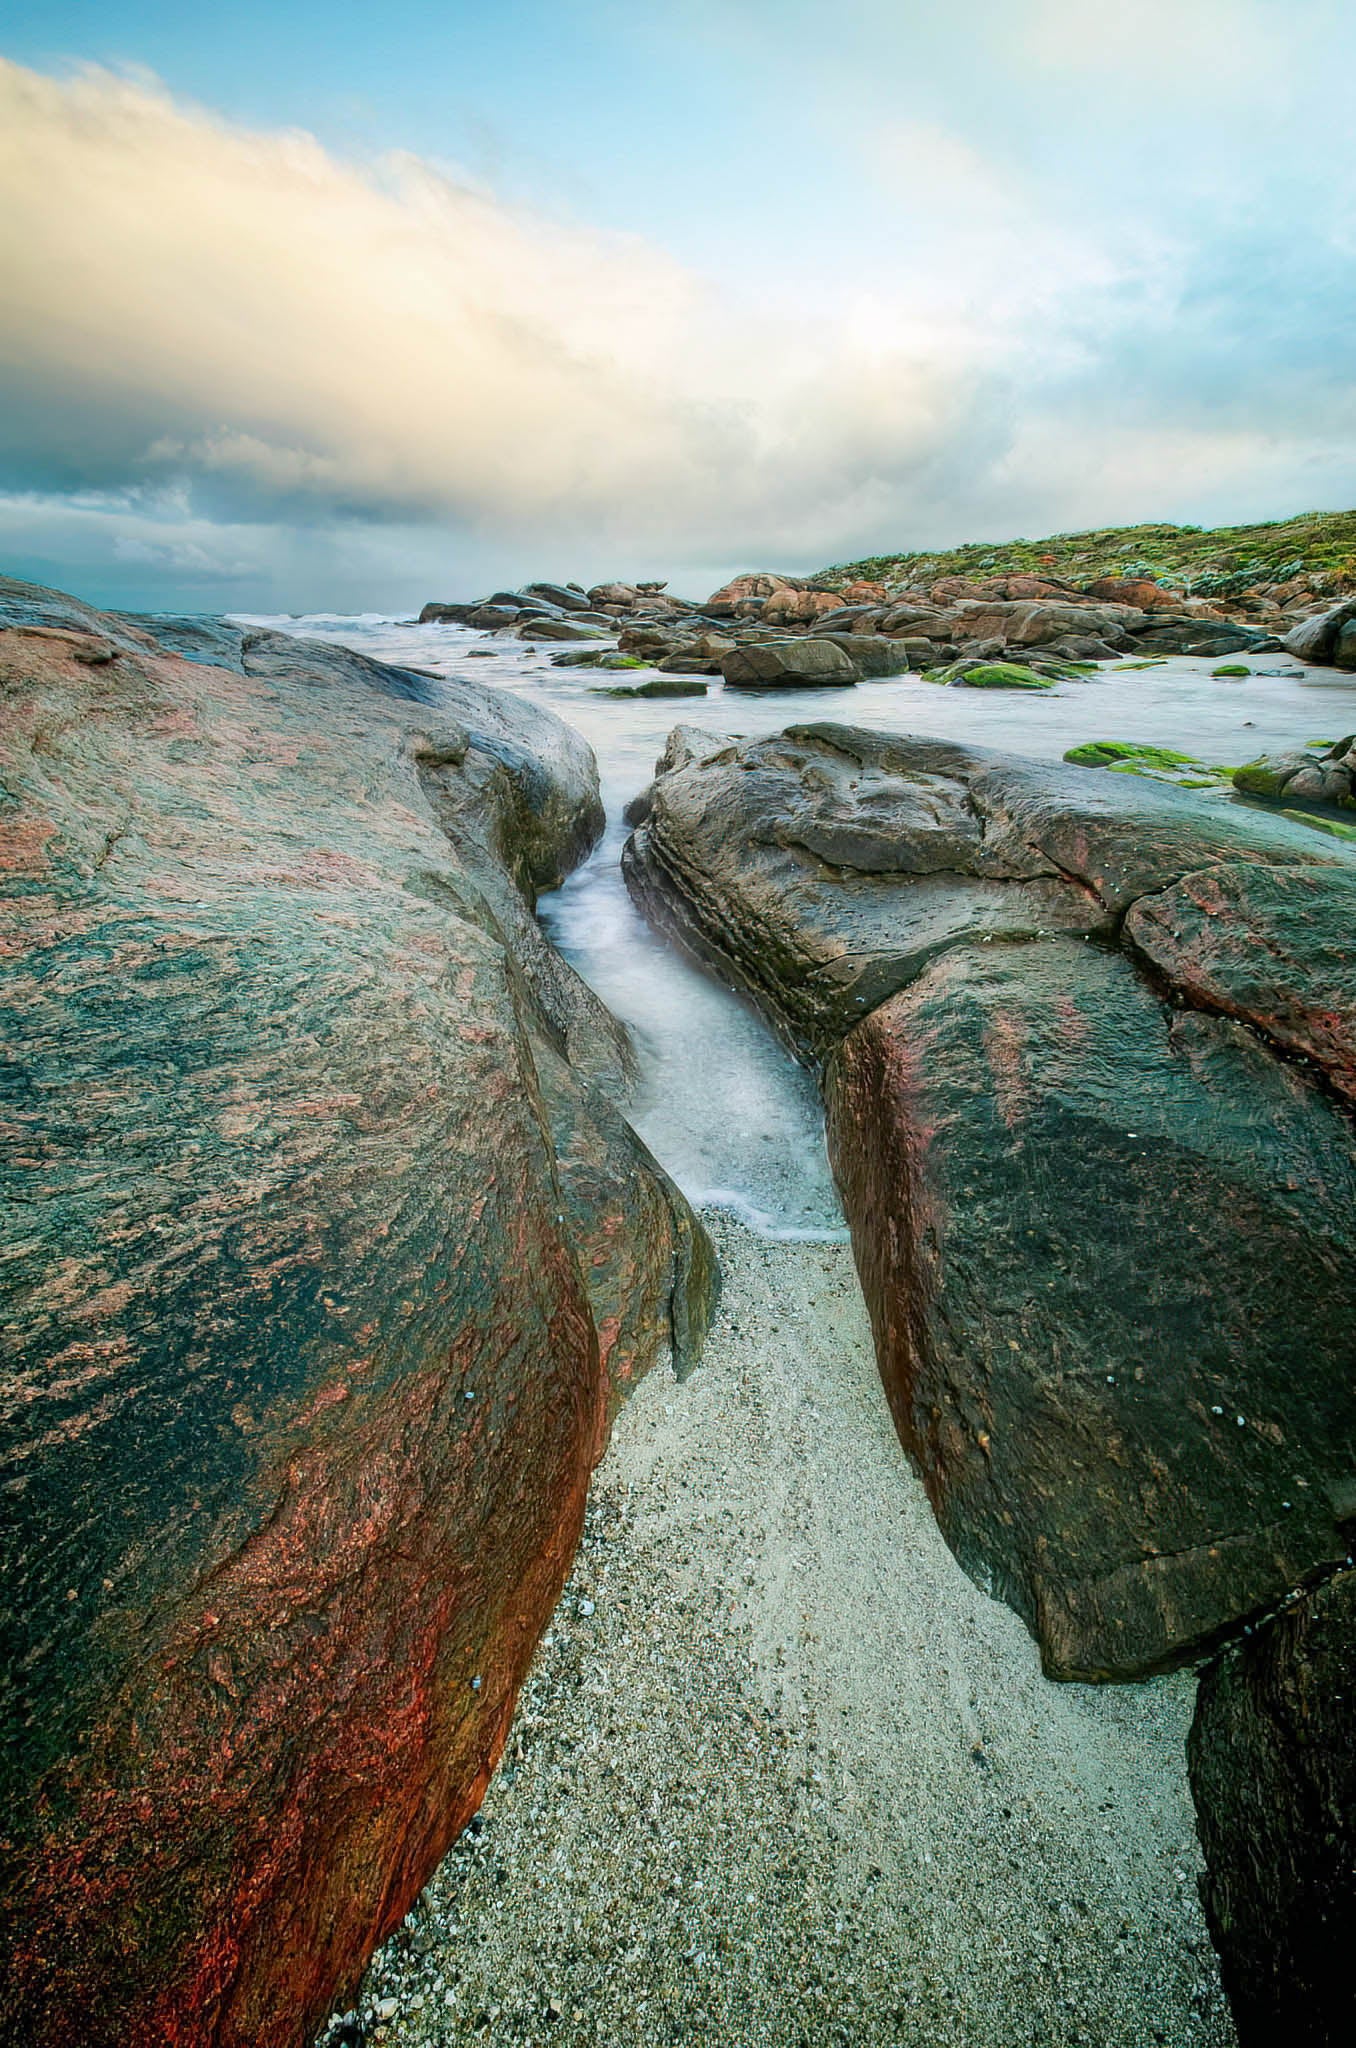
x,y
783,664
1100,1308
990,619
1274,946
1273,1771
336,1256
1081,1191
1313,775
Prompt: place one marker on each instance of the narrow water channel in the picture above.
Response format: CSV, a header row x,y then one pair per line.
x,y
721,1105
781,1774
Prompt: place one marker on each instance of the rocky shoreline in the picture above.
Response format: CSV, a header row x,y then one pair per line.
x,y
340,1259
768,631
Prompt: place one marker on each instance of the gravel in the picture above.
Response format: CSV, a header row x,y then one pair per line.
x,y
782,1775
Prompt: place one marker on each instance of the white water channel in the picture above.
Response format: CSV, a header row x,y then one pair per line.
x,y
721,1104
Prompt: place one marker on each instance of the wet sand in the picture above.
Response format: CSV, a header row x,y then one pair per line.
x,y
782,1775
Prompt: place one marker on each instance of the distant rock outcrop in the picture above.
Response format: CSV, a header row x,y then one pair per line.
x,y
939,619
332,1255
1100,1213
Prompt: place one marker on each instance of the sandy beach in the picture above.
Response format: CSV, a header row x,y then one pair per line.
x,y
782,1775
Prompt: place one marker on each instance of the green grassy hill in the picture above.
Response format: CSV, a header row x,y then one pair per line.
x,y
1207,560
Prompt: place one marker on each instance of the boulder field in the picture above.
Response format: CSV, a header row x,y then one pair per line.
x,y
1086,1052
330,1254
765,631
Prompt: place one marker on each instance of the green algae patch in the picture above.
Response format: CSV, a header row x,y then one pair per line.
x,y
1064,671
991,675
1231,669
663,686
1104,753
1159,764
1261,778
1334,827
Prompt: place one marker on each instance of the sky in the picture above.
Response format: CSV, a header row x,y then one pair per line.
x,y
309,307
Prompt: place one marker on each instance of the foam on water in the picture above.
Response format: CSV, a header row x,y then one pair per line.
x,y
722,1105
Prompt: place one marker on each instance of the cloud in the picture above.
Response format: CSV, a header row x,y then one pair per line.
x,y
229,355
186,298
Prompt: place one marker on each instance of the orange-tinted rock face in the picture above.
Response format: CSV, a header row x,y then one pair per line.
x,y
304,1370
799,607
759,583
1140,591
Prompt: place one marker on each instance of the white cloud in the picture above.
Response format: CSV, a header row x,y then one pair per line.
x,y
247,309
227,354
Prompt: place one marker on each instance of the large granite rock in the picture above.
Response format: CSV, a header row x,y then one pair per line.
x,y
1274,946
333,1255
1318,638
788,665
1038,622
1272,1753
1101,1221
1169,635
872,654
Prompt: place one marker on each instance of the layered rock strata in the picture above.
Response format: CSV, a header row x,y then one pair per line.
x,y
330,1253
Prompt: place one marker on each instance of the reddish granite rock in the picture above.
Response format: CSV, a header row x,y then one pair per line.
x,y
329,1262
1101,1230
1275,946
799,607
1140,591
1100,1247
753,587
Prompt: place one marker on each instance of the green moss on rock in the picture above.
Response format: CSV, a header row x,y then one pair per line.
x,y
1159,764
1317,823
991,675
1103,753
1260,778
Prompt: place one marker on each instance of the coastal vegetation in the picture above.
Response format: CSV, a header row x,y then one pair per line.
x,y
1206,561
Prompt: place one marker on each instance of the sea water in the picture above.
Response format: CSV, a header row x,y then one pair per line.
x,y
721,1104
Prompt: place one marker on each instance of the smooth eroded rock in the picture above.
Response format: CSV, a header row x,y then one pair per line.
x,y
1316,639
1100,1244
1101,1214
788,665
334,1255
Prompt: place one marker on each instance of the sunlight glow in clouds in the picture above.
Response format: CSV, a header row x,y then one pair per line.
x,y
246,309
231,354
